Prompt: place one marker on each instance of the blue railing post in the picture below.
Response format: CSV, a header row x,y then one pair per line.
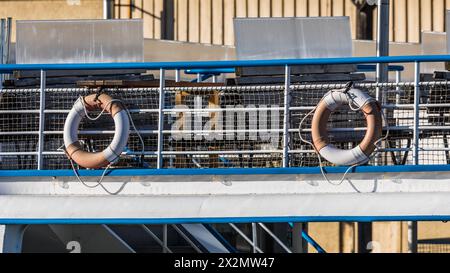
x,y
312,242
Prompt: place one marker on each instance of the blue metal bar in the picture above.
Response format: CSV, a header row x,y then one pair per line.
x,y
226,64
310,240
218,71
203,77
373,68
226,220
230,171
213,71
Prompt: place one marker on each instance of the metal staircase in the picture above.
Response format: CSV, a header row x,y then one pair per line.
x,y
187,238
166,238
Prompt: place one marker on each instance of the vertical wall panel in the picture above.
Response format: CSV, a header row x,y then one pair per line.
x,y
289,8
175,19
264,8
194,21
148,19
241,8
426,15
183,8
447,7
375,23
252,8
136,9
314,8
205,21
325,7
400,21
301,8
438,15
210,21
277,8
117,9
413,21
217,15
350,10
338,8
229,13
125,10
159,5
391,23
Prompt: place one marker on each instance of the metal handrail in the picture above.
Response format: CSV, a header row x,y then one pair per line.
x,y
226,64
218,71
286,88
373,68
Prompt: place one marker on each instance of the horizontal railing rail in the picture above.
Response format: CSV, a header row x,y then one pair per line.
x,y
218,71
4,68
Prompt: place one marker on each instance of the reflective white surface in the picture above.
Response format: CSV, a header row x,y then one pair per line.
x,y
284,38
79,41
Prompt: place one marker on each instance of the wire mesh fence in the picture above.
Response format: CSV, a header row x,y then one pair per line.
x,y
223,127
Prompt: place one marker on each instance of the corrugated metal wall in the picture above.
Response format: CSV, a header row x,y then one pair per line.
x,y
210,21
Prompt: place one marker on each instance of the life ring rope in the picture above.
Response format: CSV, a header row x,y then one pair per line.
x,y
359,107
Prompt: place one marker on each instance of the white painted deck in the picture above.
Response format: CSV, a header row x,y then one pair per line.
x,y
225,198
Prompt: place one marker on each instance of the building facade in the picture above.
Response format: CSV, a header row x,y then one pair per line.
x,y
210,21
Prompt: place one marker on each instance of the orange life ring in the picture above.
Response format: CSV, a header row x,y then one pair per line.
x,y
372,112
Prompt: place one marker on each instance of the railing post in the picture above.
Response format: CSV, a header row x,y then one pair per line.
x,y
177,75
40,160
159,161
2,47
412,237
416,113
398,79
165,245
287,86
412,226
254,238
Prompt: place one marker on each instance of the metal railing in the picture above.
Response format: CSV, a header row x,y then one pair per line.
x,y
162,111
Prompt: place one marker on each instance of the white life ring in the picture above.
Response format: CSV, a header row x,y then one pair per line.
x,y
372,112
112,152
